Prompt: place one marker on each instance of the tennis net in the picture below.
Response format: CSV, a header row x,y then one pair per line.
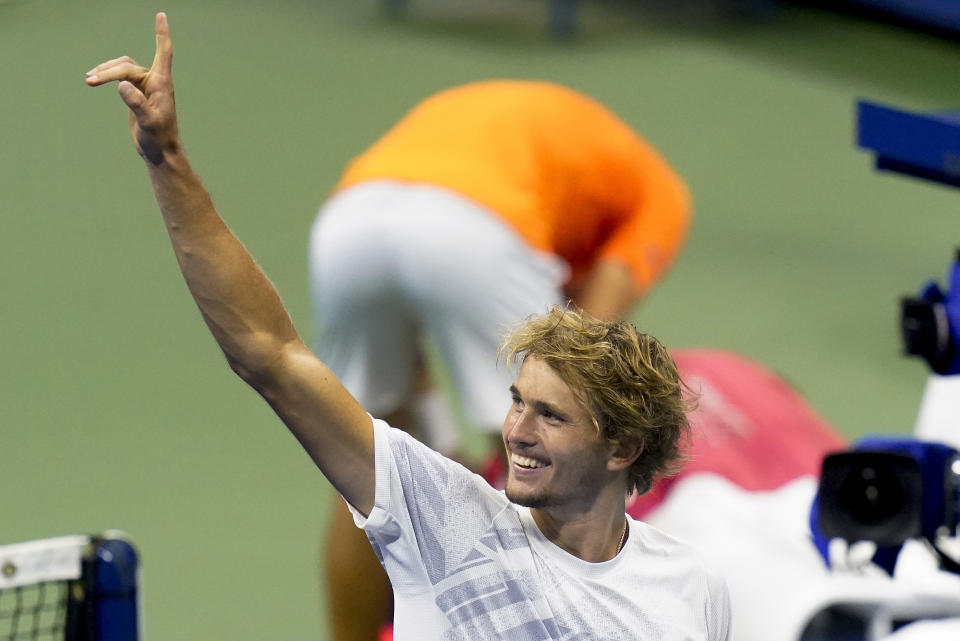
x,y
69,588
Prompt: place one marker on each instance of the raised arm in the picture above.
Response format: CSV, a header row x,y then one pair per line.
x,y
237,301
608,292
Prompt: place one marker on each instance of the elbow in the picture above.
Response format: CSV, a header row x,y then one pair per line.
x,y
258,360
253,353
242,367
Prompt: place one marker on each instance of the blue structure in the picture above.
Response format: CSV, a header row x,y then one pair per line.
x,y
116,580
925,145
940,14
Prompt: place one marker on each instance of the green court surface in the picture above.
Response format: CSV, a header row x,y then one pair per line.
x,y
118,410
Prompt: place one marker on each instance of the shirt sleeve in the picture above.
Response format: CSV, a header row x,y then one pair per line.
x,y
428,510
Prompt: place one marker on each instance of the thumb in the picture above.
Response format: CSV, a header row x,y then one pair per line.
x,y
132,97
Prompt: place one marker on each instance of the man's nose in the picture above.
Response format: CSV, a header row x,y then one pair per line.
x,y
520,426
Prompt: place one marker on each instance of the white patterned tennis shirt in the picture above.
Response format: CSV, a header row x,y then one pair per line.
x,y
466,564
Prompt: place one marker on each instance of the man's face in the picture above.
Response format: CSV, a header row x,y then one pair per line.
x,y
556,458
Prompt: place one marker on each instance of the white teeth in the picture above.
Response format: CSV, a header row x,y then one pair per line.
x,y
524,461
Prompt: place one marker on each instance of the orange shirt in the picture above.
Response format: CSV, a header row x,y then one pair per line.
x,y
568,175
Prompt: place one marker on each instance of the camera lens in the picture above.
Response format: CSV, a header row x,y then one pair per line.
x,y
870,496
926,332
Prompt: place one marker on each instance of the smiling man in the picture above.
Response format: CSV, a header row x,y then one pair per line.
x,y
597,413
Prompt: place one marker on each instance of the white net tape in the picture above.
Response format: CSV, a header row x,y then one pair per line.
x,y
31,562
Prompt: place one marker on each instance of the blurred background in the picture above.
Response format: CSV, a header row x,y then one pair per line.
x,y
118,410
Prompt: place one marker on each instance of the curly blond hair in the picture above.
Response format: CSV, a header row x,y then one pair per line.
x,y
625,379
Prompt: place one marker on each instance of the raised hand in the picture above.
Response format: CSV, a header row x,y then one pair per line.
x,y
149,95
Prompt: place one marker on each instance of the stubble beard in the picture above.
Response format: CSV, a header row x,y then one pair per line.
x,y
553,496
536,500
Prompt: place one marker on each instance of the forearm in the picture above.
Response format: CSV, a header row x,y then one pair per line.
x,y
608,292
237,301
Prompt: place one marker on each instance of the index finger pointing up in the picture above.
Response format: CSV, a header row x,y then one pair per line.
x,y
163,59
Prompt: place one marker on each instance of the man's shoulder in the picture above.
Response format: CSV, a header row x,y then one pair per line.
x,y
654,536
681,562
653,541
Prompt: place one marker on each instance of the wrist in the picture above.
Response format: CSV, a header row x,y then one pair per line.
x,y
169,154
157,145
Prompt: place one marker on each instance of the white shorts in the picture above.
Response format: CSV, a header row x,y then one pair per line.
x,y
392,262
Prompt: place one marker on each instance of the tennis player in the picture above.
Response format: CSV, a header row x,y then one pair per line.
x,y
485,203
596,412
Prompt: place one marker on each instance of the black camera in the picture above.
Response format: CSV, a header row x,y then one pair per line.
x,y
930,324
888,490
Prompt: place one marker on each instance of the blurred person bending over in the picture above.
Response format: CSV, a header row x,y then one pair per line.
x,y
484,204
596,411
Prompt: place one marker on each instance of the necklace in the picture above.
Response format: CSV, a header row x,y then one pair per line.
x,y
623,537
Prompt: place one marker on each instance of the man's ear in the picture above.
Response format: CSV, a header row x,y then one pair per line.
x,y
623,456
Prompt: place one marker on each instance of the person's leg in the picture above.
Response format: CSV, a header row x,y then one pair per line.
x,y
359,597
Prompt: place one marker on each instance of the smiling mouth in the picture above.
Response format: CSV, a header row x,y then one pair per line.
x,y
526,462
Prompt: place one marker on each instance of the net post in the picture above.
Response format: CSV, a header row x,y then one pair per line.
x,y
116,584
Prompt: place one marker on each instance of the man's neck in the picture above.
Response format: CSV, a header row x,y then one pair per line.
x,y
594,536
